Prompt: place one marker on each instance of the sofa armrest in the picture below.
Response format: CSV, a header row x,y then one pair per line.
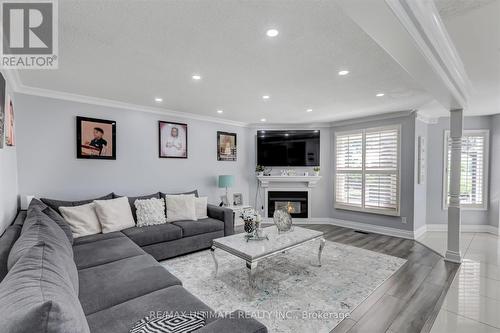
x,y
237,321
223,214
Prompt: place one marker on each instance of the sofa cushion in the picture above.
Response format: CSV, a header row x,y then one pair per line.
x,y
105,251
7,240
37,296
82,219
122,317
97,237
55,204
153,234
110,284
131,201
191,228
114,215
40,228
54,216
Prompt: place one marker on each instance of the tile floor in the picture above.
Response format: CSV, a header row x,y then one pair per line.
x,y
473,301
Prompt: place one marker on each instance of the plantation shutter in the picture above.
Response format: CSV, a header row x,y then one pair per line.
x,y
367,170
472,176
382,170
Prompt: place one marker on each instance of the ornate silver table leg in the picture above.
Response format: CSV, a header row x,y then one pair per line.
x,y
322,242
212,251
251,267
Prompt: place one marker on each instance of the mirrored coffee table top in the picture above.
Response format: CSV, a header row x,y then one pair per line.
x,y
256,249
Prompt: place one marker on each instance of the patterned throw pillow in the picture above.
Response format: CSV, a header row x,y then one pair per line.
x,y
178,324
150,212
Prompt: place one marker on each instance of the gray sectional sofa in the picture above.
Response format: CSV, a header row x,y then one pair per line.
x,y
51,282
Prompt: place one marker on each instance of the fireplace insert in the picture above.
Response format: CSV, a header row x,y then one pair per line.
x,y
294,202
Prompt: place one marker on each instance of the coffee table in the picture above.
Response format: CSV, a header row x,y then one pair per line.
x,y
254,251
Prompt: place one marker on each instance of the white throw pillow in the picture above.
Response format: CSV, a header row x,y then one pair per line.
x,y
82,219
180,207
150,212
201,207
114,214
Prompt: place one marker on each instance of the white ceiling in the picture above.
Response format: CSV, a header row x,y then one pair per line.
x,y
133,51
474,27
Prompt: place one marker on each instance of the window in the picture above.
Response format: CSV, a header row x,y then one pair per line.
x,y
474,169
367,170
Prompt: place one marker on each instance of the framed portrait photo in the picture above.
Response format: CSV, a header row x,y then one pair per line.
x,y
95,138
237,199
226,146
9,124
172,140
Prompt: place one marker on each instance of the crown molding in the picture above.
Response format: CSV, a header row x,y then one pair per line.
x,y
426,119
47,93
422,21
381,116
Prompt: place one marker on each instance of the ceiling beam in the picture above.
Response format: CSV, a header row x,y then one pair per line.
x,y
413,34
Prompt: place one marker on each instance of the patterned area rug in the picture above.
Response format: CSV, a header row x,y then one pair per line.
x,y
293,294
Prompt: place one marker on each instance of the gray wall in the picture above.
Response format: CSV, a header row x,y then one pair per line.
x,y
435,146
407,173
8,177
48,166
321,195
420,202
494,170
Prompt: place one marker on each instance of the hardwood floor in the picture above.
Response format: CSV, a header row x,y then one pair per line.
x,y
409,300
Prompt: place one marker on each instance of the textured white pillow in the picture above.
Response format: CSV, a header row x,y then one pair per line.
x,y
82,219
201,207
180,207
114,214
150,212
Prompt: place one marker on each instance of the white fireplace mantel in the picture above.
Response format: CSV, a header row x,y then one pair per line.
x,y
309,181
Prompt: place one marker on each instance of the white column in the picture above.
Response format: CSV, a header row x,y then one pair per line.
x,y
456,129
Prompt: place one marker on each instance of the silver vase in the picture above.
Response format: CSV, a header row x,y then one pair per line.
x,y
283,220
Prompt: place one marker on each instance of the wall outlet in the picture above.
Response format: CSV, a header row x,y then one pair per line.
x,y
403,219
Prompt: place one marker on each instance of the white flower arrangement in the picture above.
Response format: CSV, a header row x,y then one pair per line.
x,y
250,215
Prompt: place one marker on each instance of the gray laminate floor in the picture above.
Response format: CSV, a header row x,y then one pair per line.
x,y
408,301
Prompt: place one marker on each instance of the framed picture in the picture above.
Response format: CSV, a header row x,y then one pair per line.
x,y
226,146
2,109
237,199
9,124
172,140
95,138
224,200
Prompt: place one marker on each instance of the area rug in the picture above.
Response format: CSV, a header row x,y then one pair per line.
x,y
292,294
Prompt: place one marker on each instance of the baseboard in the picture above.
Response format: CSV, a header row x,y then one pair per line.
x,y
420,231
465,228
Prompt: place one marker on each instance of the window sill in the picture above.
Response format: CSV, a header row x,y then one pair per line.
x,y
365,210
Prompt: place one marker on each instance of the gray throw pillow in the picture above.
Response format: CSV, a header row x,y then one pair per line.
x,y
54,216
55,204
36,295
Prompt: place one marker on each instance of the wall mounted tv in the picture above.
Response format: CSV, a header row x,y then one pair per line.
x,y
297,148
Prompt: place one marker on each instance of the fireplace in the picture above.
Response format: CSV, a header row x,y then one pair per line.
x,y
294,202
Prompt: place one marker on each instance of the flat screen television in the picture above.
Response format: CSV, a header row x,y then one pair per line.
x,y
298,148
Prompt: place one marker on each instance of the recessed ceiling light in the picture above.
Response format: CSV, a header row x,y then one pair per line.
x,y
272,33
158,99
343,72
309,110
266,97
220,111
263,120
380,94
196,77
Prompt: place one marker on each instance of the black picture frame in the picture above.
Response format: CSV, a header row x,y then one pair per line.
x,y
81,146
163,154
234,155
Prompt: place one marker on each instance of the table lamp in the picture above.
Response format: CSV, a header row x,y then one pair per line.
x,y
226,181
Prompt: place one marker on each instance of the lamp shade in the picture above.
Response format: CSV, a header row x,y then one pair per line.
x,y
226,180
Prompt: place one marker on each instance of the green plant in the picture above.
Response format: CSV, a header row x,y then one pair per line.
x,y
259,168
316,169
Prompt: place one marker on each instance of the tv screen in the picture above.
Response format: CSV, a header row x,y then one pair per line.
x,y
288,148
